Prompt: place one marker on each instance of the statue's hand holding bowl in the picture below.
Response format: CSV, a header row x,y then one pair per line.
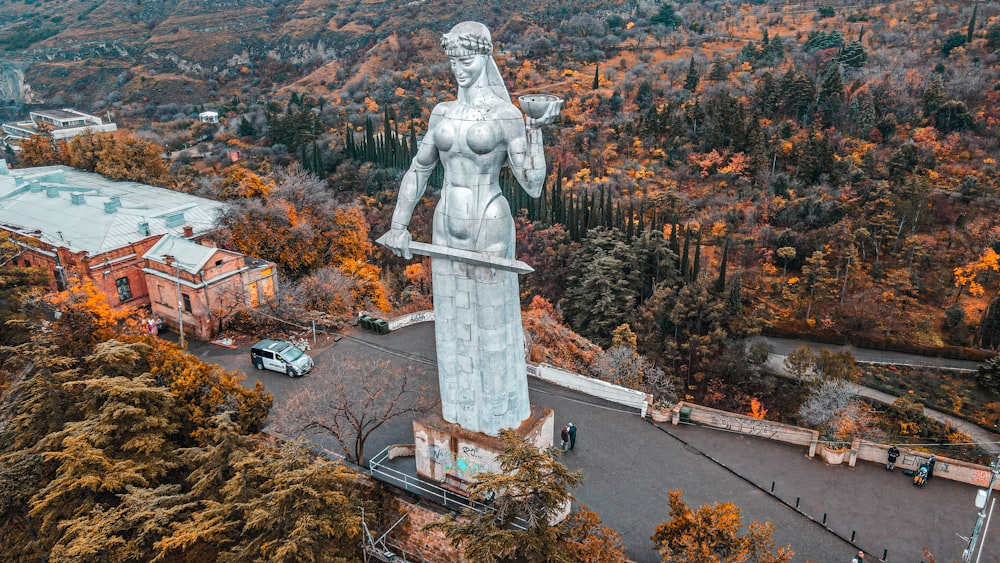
x,y
540,108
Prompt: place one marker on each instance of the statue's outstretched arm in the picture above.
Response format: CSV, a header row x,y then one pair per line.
x,y
526,151
411,189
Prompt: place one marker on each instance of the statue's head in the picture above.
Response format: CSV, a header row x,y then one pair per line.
x,y
467,38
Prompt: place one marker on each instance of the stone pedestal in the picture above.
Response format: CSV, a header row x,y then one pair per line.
x,y
451,455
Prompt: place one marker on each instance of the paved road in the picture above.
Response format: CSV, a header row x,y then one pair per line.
x,y
783,346
629,464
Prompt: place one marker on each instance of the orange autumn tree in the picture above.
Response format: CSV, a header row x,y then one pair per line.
x,y
39,150
242,183
587,540
968,275
85,317
206,389
712,533
551,342
350,248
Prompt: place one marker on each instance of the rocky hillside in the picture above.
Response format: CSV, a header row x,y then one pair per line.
x,y
193,50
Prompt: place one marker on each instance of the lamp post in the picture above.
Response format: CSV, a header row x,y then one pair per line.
x,y
973,539
171,261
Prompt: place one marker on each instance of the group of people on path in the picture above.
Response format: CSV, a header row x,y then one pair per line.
x,y
153,325
568,437
893,455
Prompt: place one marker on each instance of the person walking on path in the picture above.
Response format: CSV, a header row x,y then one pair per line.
x,y
893,455
564,436
930,466
572,435
859,558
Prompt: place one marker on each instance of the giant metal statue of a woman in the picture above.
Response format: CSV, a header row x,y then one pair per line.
x,y
480,342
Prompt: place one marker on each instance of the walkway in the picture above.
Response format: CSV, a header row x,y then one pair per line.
x,y
987,440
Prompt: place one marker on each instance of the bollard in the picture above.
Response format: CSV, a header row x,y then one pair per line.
x,y
885,554
797,502
852,535
824,518
772,487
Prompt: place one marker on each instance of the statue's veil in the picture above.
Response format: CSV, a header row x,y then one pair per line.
x,y
473,38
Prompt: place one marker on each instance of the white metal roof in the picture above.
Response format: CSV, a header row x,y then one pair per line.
x,y
106,214
180,252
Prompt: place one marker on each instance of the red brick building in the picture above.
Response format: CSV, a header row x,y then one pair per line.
x,y
80,224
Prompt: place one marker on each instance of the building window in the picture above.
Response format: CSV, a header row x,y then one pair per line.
x,y
187,302
124,290
26,263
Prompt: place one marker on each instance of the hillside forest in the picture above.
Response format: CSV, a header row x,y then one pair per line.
x,y
720,169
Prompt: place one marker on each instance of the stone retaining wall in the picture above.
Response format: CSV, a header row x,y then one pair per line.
x,y
946,468
748,425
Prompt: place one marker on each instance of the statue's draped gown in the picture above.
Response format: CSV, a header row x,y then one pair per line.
x,y
480,341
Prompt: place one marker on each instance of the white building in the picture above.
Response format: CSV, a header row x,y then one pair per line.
x,y
59,123
80,224
209,117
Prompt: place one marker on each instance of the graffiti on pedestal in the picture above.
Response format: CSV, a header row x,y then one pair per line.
x,y
465,464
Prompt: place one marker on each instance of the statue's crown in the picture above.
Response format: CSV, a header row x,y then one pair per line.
x,y
467,38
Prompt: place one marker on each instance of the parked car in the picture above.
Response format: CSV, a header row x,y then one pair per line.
x,y
281,356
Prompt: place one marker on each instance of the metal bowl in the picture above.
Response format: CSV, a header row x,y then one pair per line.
x,y
535,105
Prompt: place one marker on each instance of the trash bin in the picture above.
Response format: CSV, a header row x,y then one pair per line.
x,y
381,325
685,414
366,322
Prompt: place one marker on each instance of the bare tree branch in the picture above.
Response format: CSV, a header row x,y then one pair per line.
x,y
362,397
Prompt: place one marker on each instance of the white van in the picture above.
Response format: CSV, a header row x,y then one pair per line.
x,y
281,356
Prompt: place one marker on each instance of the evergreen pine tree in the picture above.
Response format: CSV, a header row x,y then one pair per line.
x,y
972,23
935,95
720,282
696,265
597,77
685,264
692,78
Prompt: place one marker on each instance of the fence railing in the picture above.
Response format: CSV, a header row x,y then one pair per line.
x,y
438,495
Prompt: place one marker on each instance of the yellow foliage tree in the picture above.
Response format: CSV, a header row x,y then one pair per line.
x,y
712,533
968,275
242,183
85,317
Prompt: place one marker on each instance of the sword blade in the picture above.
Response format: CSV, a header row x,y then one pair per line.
x,y
467,257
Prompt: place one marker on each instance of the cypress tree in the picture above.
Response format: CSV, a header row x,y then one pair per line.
x,y
349,146
570,219
720,283
597,77
641,228
675,246
628,226
369,148
609,211
972,23
685,270
692,79
697,257
558,203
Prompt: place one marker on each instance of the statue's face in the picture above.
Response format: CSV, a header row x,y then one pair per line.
x,y
468,69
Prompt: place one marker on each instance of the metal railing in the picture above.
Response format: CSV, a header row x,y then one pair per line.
x,y
429,491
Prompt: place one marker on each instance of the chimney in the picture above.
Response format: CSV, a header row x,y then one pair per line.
x,y
117,200
77,198
52,192
110,207
34,186
144,229
188,231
